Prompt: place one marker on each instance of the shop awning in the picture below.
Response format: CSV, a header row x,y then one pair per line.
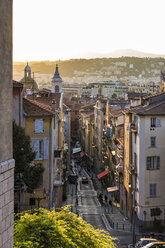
x,y
75,150
102,174
112,189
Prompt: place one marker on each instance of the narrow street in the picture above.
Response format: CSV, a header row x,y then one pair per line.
x,y
89,208
84,201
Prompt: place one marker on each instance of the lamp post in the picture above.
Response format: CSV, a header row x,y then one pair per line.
x,y
133,206
32,199
41,198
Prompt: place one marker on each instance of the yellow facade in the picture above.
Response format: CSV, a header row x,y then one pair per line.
x,y
127,163
30,130
52,183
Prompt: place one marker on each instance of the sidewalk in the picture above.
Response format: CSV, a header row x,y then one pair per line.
x,y
71,197
115,217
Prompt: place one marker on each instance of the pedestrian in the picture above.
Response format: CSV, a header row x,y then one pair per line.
x,y
105,197
110,203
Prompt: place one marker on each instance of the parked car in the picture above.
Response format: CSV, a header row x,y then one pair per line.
x,y
84,180
144,241
155,245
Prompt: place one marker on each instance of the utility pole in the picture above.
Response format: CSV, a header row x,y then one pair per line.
x,y
133,220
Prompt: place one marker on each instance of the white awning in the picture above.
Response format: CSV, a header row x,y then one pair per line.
x,y
112,189
113,153
75,150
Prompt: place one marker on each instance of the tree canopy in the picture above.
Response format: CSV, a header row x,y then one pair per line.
x,y
57,229
24,156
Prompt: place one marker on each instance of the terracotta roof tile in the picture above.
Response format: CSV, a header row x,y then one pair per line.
x,y
157,108
17,84
34,108
116,113
87,114
46,100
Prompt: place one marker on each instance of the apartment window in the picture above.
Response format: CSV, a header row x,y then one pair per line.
x,y
135,160
153,190
155,122
40,148
153,163
153,141
39,126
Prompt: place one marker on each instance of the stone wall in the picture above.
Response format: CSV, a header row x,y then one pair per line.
x,y
6,161
5,79
6,203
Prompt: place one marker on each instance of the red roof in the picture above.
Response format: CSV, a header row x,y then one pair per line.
x,y
81,154
102,174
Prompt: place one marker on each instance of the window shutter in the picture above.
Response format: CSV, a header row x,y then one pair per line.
x,y
158,122
158,162
148,163
36,149
45,148
39,126
42,149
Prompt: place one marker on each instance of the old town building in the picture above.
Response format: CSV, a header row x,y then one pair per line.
x,y
143,159
29,84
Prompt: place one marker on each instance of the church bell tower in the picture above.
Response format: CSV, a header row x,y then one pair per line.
x,y
56,82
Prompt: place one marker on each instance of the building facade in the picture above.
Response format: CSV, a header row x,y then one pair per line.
x,y
144,160
6,150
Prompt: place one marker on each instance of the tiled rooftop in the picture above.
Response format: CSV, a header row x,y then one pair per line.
x,y
17,84
34,108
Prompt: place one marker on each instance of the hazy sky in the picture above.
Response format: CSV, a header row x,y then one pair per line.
x,y
64,29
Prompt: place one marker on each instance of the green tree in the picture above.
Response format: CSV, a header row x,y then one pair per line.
x,y
114,96
61,229
24,156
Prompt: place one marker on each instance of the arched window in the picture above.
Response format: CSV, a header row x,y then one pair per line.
x,y
56,88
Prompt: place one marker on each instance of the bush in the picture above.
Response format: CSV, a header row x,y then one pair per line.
x,y
62,229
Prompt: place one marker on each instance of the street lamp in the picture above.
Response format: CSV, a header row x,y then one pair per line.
x,y
133,205
32,199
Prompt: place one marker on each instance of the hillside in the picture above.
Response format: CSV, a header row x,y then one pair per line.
x,y
98,69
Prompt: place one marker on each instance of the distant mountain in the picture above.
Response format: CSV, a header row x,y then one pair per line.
x,y
133,53
129,68
120,53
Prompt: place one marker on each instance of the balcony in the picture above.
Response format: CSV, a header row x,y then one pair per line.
x,y
132,169
133,127
58,182
120,153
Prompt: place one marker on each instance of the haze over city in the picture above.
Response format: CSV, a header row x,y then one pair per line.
x,y
52,30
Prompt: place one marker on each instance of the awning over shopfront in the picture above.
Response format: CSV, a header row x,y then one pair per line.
x,y
75,150
112,189
119,167
102,174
